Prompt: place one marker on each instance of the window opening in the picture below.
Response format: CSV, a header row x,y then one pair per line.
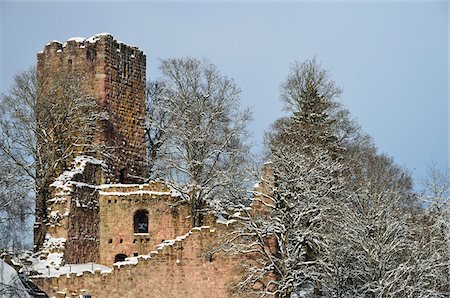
x,y
120,258
141,221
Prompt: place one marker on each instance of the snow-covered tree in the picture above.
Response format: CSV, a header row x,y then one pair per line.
x,y
431,257
43,126
340,219
375,231
291,241
388,245
158,119
205,142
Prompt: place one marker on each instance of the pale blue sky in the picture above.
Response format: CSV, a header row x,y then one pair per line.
x,y
391,58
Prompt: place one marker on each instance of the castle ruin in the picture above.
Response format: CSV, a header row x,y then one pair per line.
x,y
100,213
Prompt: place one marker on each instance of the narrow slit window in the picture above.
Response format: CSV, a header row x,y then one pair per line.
x,y
122,176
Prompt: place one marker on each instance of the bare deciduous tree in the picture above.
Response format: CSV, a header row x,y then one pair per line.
x,y
205,147
44,126
158,120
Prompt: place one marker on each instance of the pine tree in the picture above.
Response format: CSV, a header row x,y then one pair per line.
x,y
291,242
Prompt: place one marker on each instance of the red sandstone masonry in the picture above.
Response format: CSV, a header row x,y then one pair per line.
x,y
114,73
118,204
98,220
177,270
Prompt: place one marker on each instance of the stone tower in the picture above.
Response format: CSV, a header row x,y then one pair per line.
x,y
113,73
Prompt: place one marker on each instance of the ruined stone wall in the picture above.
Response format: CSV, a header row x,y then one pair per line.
x,y
95,221
118,204
124,99
83,239
114,73
82,59
263,190
74,211
82,244
181,269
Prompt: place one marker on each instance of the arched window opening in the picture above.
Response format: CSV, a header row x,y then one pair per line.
x,y
120,258
141,221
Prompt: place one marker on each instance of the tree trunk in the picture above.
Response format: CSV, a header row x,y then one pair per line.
x,y
196,212
40,227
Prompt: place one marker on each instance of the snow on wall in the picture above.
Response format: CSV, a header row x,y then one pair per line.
x,y
78,269
92,39
186,269
139,192
63,183
47,269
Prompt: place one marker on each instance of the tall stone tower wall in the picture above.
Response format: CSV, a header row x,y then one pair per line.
x,y
114,73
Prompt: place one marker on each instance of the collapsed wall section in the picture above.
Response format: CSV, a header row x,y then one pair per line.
x,y
74,212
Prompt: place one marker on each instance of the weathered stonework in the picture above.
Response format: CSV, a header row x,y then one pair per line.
x,y
178,269
73,215
97,220
114,73
166,220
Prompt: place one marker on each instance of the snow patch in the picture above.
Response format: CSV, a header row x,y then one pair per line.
x,y
77,39
52,261
128,261
51,243
78,269
10,283
171,242
93,39
80,162
223,221
138,192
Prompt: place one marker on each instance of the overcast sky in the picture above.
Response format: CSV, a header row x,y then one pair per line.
x,y
391,58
